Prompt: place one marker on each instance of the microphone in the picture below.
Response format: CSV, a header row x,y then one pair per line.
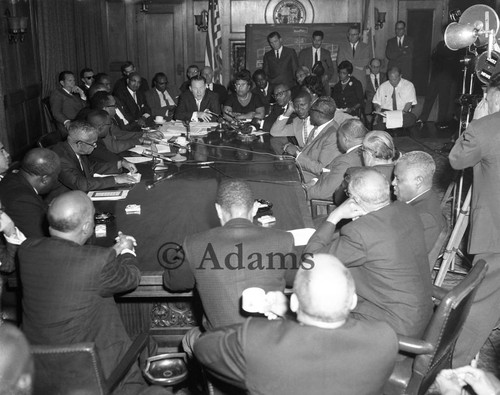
x,y
151,184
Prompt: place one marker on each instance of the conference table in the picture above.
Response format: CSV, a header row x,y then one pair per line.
x,y
178,199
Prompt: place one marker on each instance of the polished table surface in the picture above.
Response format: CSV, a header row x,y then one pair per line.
x,y
181,202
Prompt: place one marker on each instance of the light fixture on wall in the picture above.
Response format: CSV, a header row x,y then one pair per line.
x,y
379,19
145,6
17,26
201,21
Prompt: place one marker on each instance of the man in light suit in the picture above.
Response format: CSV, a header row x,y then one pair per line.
x,y
384,248
356,52
133,101
311,56
280,63
162,99
399,51
346,358
479,148
320,147
194,102
68,286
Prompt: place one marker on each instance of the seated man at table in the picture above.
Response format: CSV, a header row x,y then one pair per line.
x,y
68,286
128,68
324,350
413,185
20,192
282,94
208,73
162,98
320,146
395,94
263,88
222,262
349,141
196,103
384,248
133,100
77,169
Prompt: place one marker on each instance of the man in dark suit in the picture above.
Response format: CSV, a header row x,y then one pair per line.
x,y
68,286
222,262
320,147
135,108
87,80
162,99
373,81
192,71
280,63
384,248
20,192
324,349
77,169
66,101
413,185
283,94
309,57
8,248
208,73
479,148
399,51
263,88
195,102
349,141
128,68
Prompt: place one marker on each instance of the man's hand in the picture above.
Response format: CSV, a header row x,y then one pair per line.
x,y
125,179
291,149
483,383
205,117
141,122
129,166
156,134
7,226
348,209
289,110
276,305
124,242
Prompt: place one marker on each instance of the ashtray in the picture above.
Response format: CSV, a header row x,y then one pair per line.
x,y
103,218
263,205
166,369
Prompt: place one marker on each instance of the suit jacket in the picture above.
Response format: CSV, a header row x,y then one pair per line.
x,y
187,105
319,361
73,177
319,152
282,70
8,253
64,106
220,91
267,98
122,83
360,61
23,205
222,262
401,57
283,128
328,182
68,294
370,91
478,147
133,110
271,118
306,59
154,103
386,254
428,208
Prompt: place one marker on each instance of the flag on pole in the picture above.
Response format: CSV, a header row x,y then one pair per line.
x,y
213,50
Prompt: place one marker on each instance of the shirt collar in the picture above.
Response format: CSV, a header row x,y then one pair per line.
x,y
420,194
320,128
131,91
353,148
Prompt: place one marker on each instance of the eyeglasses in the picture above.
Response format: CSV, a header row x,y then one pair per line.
x,y
280,94
89,78
112,106
94,144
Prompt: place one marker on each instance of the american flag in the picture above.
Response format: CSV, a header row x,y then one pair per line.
x,y
213,51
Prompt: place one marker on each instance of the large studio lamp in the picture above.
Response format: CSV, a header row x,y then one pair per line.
x,y
457,36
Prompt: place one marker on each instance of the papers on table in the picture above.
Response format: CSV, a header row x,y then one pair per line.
x,y
137,159
394,119
301,236
108,195
146,149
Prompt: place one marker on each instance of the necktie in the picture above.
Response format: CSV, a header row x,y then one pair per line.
x,y
376,82
135,98
198,104
353,50
277,54
394,104
311,135
316,57
400,40
165,98
211,86
304,130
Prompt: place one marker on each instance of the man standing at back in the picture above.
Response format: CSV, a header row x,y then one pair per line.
x,y
68,286
280,63
399,51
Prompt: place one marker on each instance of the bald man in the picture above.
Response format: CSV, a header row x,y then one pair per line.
x,y
208,73
20,192
68,286
77,169
384,248
324,348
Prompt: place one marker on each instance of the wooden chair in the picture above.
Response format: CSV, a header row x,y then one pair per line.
x,y
434,351
75,368
50,121
49,139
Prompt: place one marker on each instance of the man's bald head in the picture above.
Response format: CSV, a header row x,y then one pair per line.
x,y
69,212
41,167
325,294
208,73
96,88
369,188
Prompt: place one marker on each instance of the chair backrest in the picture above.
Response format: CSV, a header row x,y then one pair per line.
x,y
439,245
50,121
49,139
443,330
68,369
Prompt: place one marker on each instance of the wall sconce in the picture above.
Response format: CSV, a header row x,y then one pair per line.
x,y
379,19
145,6
201,21
17,26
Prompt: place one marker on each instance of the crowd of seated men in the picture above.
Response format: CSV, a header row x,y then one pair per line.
x,y
357,279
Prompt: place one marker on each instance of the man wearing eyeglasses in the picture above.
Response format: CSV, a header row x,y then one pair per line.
x,y
78,170
282,94
87,79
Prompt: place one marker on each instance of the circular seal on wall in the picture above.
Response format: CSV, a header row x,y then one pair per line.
x,y
289,12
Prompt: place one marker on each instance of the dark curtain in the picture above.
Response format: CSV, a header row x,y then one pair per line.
x,y
70,38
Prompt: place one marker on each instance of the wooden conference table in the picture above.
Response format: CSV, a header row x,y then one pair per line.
x,y
179,201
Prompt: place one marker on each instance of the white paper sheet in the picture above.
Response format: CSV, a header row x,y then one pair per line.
x,y
301,236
